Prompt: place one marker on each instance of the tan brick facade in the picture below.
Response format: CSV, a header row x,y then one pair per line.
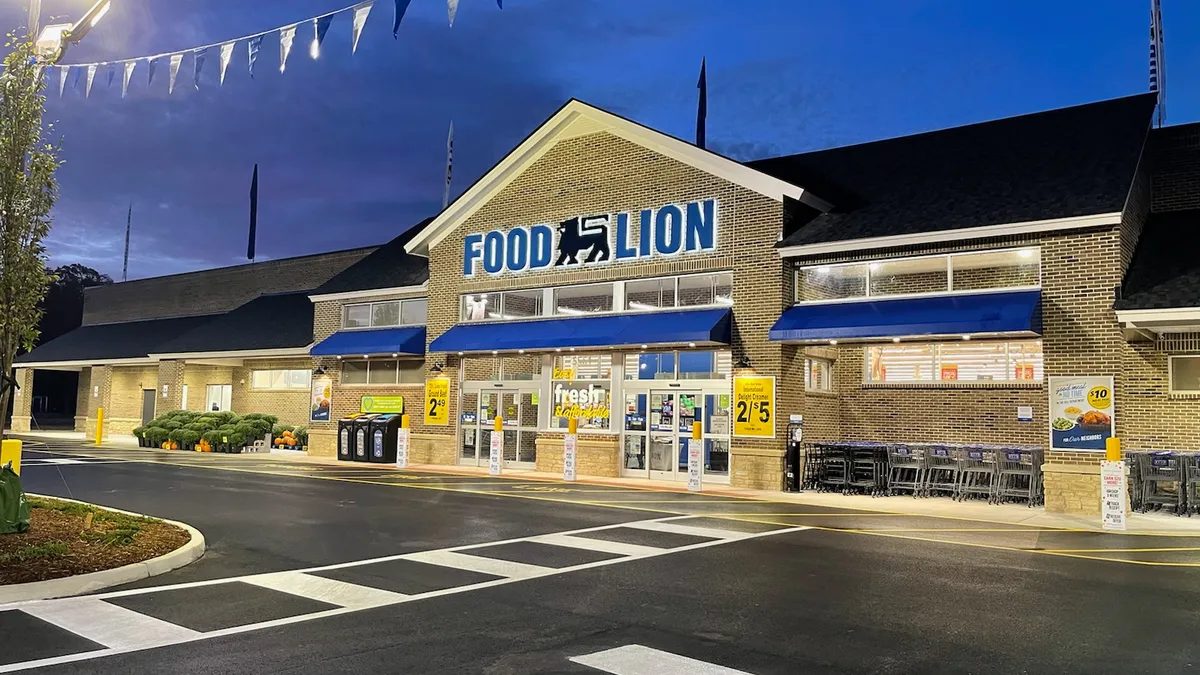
x,y
602,173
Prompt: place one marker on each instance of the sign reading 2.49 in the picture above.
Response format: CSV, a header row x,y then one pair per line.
x,y
754,406
437,402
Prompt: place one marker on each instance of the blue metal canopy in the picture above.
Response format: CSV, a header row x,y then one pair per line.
x,y
701,326
409,341
976,313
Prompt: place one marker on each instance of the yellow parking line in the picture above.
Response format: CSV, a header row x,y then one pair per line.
x,y
1120,550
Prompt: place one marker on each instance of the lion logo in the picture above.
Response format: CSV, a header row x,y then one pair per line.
x,y
574,239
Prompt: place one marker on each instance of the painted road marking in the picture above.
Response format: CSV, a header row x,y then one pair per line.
x,y
107,624
639,660
474,563
64,461
327,590
124,630
595,544
675,528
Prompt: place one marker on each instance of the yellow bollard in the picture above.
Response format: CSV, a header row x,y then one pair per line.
x,y
99,426
697,431
572,425
404,421
10,451
1112,449
499,424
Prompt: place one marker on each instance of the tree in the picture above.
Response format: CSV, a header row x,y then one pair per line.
x,y
27,193
62,308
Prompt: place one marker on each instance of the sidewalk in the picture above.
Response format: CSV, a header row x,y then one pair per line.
x,y
1014,514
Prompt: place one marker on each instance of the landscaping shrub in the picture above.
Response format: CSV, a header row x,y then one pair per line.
x,y
213,438
186,438
269,419
280,428
156,436
301,434
168,424
138,431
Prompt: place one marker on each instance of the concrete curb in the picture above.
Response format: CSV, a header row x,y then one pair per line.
x,y
94,581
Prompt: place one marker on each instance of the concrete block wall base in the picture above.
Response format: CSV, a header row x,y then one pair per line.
x,y
757,472
21,423
594,456
1073,488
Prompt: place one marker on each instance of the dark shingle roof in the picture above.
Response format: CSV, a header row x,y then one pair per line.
x,y
128,340
1060,163
388,266
279,321
1165,271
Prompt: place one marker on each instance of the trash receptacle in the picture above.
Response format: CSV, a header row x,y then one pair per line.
x,y
791,466
346,438
383,439
362,432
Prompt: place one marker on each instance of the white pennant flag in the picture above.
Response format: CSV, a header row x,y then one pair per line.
x,y
452,9
176,59
360,20
226,55
91,75
286,36
129,66
62,79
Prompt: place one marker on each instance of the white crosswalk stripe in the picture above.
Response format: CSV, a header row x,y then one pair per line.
x,y
639,660
326,590
112,626
124,630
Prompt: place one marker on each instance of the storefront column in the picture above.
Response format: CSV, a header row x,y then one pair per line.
x,y
99,396
23,400
170,375
83,394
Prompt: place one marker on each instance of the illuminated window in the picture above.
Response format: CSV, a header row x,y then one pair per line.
x,y
965,361
818,375
383,371
280,379
385,314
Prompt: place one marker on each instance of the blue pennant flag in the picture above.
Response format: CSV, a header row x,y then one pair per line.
x,y
112,72
151,66
322,27
197,65
500,4
252,47
401,8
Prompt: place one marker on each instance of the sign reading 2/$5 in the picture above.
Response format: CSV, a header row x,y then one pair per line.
x,y
667,231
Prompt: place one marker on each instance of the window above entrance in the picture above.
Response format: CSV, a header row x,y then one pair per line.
x,y
975,361
385,314
617,297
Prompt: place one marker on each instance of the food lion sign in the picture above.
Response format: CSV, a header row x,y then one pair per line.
x,y
668,231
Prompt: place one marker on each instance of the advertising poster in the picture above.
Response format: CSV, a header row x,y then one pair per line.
x,y
1081,412
437,402
382,404
754,406
321,400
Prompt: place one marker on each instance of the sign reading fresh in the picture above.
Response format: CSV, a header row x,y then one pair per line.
x,y
667,231
1081,412
754,406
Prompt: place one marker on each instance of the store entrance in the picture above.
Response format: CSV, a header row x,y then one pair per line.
x,y
517,406
658,426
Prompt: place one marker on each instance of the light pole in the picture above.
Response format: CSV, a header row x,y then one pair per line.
x,y
54,39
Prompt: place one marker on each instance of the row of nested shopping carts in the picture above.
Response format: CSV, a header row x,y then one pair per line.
x,y
997,473
1164,481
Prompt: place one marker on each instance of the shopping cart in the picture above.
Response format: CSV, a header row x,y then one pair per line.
x,y
1020,475
977,474
1162,481
942,471
906,469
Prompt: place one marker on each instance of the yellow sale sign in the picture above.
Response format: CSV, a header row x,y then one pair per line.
x,y
754,406
437,402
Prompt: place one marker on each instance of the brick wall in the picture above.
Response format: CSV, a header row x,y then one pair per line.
x,y
123,409
290,406
601,173
82,395
211,291
22,399
1175,178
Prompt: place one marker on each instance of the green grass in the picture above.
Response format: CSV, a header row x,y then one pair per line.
x,y
69,508
50,549
122,530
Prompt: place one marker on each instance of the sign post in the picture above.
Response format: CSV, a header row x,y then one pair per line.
x,y
1112,487
695,458
402,443
496,450
570,445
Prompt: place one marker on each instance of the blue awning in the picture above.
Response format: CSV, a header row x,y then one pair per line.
x,y
408,341
1010,312
701,326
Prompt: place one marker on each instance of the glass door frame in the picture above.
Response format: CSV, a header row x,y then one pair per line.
x,y
700,388
483,429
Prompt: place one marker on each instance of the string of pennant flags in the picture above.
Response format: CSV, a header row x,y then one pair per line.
x,y
224,50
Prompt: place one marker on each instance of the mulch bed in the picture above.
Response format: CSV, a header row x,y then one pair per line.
x,y
58,545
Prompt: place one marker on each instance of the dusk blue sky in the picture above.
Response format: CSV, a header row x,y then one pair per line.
x,y
351,148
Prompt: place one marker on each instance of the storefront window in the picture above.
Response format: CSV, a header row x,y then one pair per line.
x,y
650,366
583,367
520,367
383,371
705,365
385,314
475,307
1185,374
705,289
414,312
521,304
817,375
996,269
580,387
966,361
909,276
589,299
280,379
831,282
357,316
650,294
683,365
